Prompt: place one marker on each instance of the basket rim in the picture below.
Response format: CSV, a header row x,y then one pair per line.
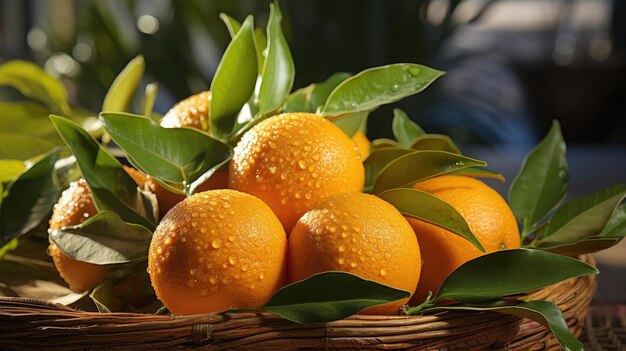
x,y
587,258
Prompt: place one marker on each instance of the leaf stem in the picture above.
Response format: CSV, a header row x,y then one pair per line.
x,y
428,303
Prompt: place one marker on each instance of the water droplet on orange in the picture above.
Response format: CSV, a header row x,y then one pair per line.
x,y
216,243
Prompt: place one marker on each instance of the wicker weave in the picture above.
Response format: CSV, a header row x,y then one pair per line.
x,y
605,329
36,325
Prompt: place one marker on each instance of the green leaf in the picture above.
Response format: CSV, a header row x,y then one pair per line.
x,y
583,217
175,155
378,86
35,83
404,129
544,312
330,296
111,187
616,227
509,272
378,160
435,142
384,143
541,183
260,43
577,248
299,100
104,239
12,244
279,70
9,169
549,315
23,147
149,98
321,91
419,165
232,24
124,86
613,233
234,81
424,206
102,297
480,173
351,124
30,198
26,118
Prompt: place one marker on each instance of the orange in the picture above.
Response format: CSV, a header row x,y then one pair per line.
x,y
215,250
190,112
73,208
488,215
362,144
360,234
294,160
167,199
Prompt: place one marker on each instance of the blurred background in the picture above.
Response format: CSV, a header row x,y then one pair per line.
x,y
513,65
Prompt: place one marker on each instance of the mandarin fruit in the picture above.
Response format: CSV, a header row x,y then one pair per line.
x,y
360,234
190,112
215,250
294,160
488,215
362,144
73,208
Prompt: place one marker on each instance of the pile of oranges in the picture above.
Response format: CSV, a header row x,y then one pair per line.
x,y
291,205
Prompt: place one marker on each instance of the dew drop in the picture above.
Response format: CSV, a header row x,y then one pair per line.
x,y
231,238
232,260
298,194
414,71
342,248
353,264
168,241
159,250
261,276
273,170
344,235
383,272
395,87
193,271
332,229
192,283
302,164
283,176
213,280
244,267
216,243
341,260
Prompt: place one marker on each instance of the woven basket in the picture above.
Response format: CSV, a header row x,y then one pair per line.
x,y
37,325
